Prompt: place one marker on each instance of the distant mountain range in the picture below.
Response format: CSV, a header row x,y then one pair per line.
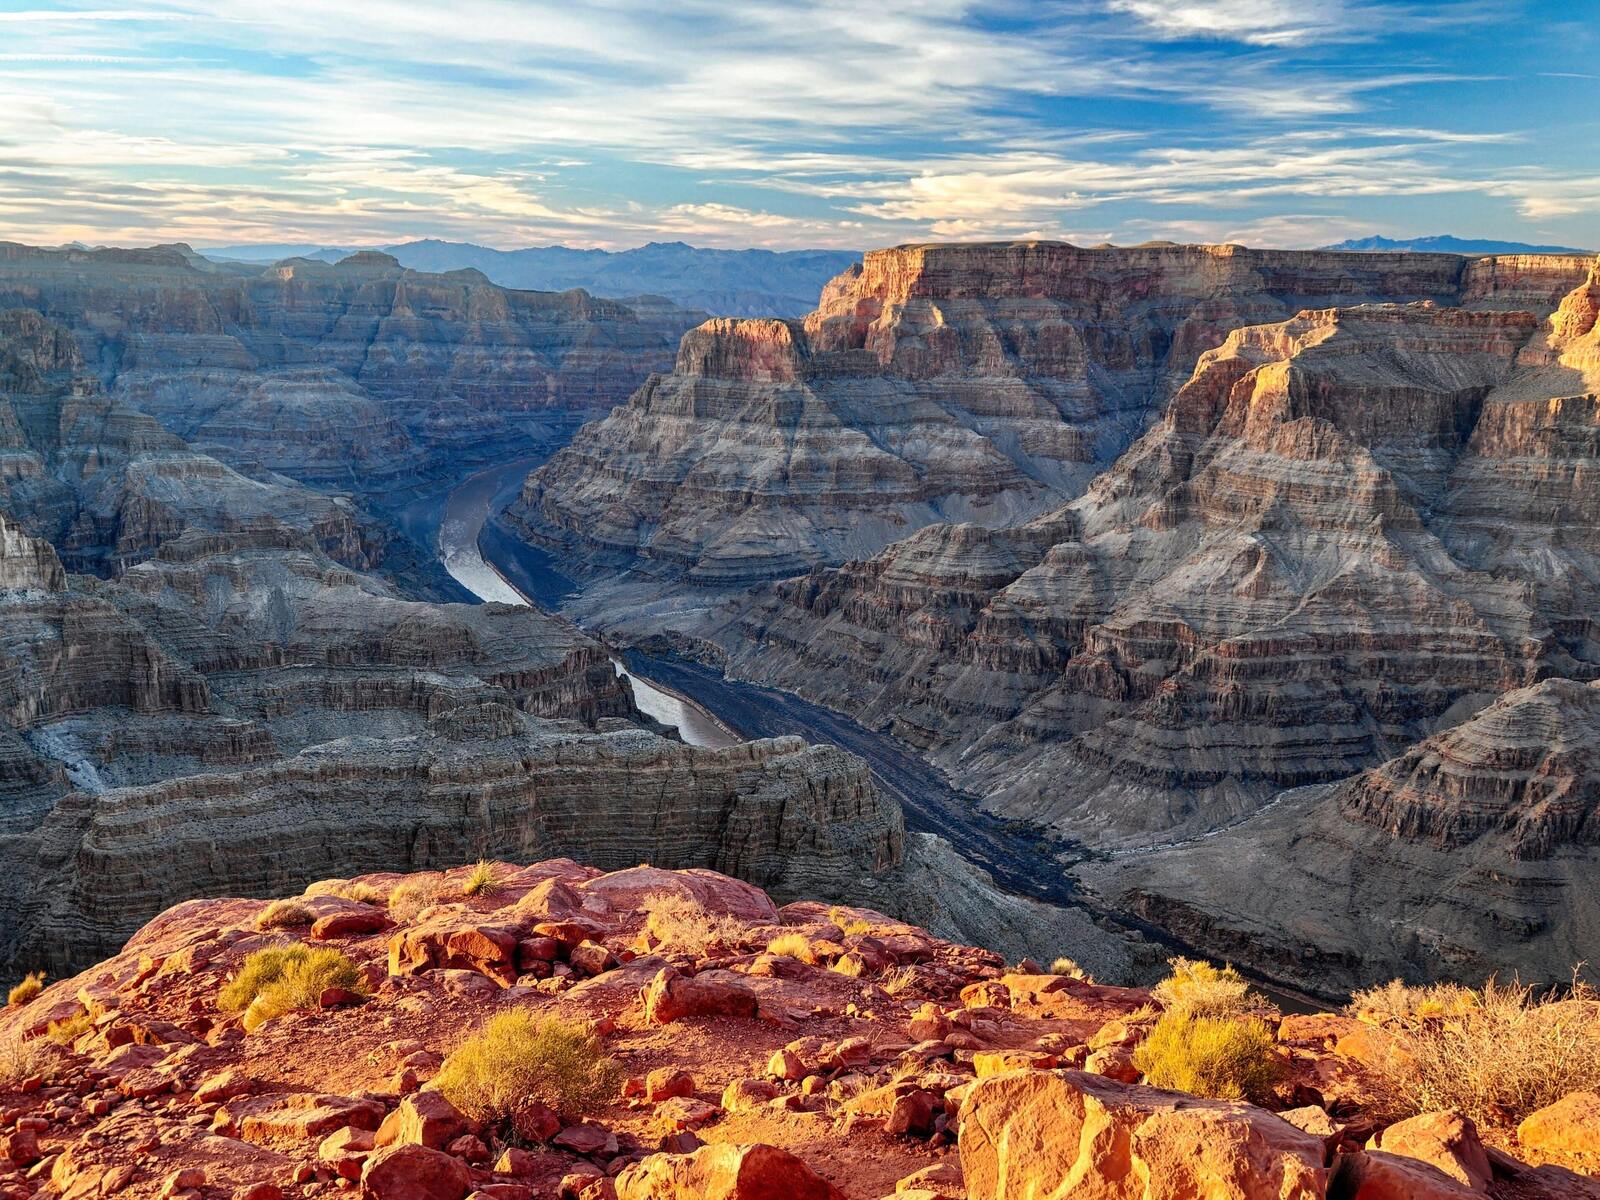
x,y
1443,243
735,283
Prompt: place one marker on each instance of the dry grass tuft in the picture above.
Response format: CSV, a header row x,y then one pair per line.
x,y
1498,1056
31,985
1403,1002
679,923
1065,966
20,1060
69,1029
850,926
1218,1057
409,898
347,889
516,1058
794,945
1199,989
279,979
480,881
284,914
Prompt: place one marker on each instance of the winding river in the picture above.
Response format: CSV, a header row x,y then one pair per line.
x,y
461,524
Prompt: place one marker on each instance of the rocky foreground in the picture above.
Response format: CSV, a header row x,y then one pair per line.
x,y
761,1053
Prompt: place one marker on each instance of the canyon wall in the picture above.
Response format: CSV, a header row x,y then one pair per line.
x,y
358,375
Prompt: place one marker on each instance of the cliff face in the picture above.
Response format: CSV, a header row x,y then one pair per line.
x,y
359,375
980,383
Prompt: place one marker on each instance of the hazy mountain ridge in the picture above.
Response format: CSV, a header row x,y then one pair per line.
x,y
749,282
1444,243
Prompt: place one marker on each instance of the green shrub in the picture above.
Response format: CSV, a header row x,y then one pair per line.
x,y
1218,1057
1199,989
517,1057
278,979
346,889
1403,1002
31,985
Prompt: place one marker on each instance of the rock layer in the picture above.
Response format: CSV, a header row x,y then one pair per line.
x,y
358,375
971,383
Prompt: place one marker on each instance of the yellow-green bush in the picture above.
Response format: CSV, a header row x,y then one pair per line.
x,y
1403,1002
516,1058
793,945
679,923
480,880
279,979
1497,1056
1065,966
346,889
1200,989
31,985
1220,1057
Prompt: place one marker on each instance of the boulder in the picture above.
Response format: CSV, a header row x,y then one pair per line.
x,y
1569,1126
1447,1140
424,1118
1376,1175
414,1172
454,938
673,996
1032,1134
350,922
725,1172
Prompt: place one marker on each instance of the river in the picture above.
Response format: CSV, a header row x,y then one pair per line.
x,y
460,526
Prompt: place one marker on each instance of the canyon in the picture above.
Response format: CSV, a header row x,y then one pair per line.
x,y
1296,515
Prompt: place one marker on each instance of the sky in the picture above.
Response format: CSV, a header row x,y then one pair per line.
x,y
853,124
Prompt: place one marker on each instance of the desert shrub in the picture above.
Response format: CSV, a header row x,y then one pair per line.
x,y
1065,966
69,1029
516,1058
415,894
1199,989
849,925
278,979
794,945
1496,1058
283,914
19,1060
346,889
480,880
902,981
678,922
31,985
1405,1003
1223,1058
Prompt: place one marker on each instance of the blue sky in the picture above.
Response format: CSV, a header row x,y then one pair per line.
x,y
516,122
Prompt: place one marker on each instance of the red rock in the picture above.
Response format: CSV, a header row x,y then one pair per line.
x,y
725,1172
535,1122
666,1082
352,922
259,1191
224,1085
1569,1126
338,997
515,1161
454,939
591,958
1374,1175
346,1143
587,1140
1446,1140
712,892
469,1147
291,1120
685,1112
913,1115
537,950
414,1172
424,1118
1114,1062
20,1148
183,1180
1026,1133
672,996
997,1062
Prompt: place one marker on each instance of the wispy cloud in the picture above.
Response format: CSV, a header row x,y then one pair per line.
x,y
515,121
